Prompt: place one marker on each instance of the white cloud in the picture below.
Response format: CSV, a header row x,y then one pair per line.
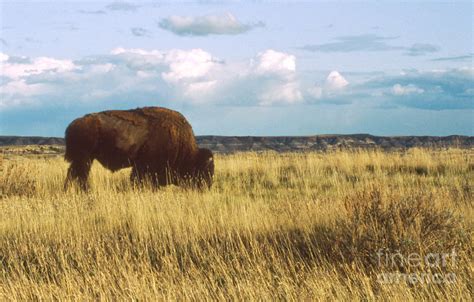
x,y
20,87
186,76
187,64
225,24
336,81
271,61
37,66
288,93
167,78
199,92
102,68
17,91
186,70
333,85
144,74
3,57
276,73
398,89
136,51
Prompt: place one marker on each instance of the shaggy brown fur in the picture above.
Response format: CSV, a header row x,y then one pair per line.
x,y
158,143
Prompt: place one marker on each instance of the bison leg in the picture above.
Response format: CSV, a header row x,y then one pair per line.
x,y
157,178
142,174
165,177
138,175
78,172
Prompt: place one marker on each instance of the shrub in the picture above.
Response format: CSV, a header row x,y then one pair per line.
x,y
398,224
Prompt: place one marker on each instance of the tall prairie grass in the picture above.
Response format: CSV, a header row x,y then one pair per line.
x,y
292,226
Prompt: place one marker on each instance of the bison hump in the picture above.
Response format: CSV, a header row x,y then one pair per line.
x,y
127,132
165,116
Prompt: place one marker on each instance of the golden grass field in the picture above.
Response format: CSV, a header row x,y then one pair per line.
x,y
295,226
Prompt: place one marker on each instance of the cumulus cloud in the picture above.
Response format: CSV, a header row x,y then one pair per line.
x,y
48,81
15,68
430,90
333,86
276,74
196,77
137,51
21,88
336,81
14,89
192,64
225,24
187,72
434,89
271,61
398,89
201,87
3,57
268,78
285,93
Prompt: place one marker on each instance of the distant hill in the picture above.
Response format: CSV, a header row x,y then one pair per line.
x,y
30,140
329,142
227,144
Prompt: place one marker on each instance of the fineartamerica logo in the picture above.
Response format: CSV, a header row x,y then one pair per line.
x,y
413,278
431,260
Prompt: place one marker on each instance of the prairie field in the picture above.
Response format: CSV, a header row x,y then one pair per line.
x,y
340,225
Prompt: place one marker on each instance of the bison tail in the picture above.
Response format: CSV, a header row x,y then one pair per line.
x,y
81,139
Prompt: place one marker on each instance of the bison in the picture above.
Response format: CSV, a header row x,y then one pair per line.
x,y
158,144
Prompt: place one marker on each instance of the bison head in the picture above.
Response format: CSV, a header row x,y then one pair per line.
x,y
204,168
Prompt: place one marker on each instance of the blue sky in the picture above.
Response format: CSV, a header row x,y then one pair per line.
x,y
241,67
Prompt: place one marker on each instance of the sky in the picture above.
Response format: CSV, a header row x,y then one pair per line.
x,y
241,67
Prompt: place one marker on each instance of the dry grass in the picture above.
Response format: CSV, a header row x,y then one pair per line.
x,y
274,226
